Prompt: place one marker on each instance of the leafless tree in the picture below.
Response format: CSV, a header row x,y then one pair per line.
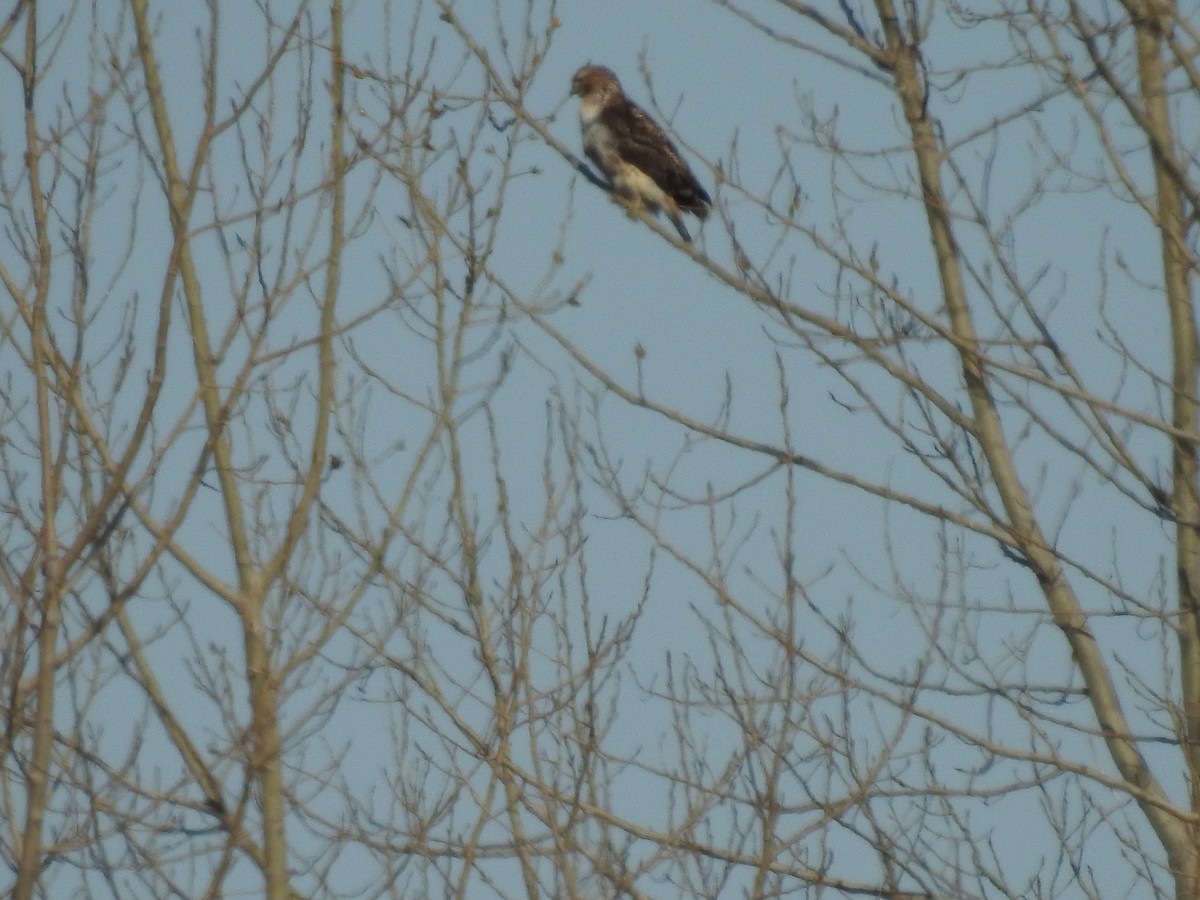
x,y
340,559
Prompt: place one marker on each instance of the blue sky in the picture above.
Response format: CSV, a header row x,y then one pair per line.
x,y
649,308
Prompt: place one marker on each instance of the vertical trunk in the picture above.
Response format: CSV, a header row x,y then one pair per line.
x,y
49,603
266,762
265,765
1177,839
1172,225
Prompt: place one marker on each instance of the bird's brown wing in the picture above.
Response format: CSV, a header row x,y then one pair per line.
x,y
642,143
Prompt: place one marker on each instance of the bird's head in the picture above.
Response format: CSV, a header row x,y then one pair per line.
x,y
592,80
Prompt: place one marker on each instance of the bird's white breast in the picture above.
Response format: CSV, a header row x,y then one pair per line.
x,y
598,139
589,111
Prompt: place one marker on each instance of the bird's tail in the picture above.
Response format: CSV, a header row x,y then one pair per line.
x,y
677,221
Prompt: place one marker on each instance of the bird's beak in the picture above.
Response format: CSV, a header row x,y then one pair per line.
x,y
576,88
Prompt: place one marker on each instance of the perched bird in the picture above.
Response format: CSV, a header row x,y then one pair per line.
x,y
633,151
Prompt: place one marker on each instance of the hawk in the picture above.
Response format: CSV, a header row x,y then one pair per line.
x,y
633,151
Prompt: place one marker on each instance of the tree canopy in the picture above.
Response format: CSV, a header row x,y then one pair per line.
x,y
386,513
